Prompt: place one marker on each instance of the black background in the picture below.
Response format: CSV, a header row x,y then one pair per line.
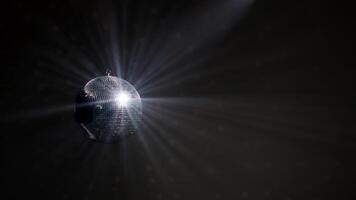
x,y
266,115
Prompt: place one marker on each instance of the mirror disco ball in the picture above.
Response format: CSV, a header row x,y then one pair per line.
x,y
108,108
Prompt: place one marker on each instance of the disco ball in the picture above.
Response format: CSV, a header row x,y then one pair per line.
x,y
108,108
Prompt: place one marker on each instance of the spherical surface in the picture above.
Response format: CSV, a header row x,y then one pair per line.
x,y
108,108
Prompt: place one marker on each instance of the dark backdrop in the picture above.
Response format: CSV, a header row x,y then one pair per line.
x,y
266,114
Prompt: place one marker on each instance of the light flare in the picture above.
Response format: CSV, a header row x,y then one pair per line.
x,y
122,99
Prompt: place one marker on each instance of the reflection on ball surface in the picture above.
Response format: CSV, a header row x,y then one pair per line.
x,y
108,108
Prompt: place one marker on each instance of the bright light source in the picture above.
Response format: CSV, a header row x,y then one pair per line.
x,y
122,99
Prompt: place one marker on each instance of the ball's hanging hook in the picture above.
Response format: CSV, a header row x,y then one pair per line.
x,y
108,72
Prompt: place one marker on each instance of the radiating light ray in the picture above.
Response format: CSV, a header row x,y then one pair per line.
x,y
114,41
77,58
158,136
68,68
225,14
262,112
72,58
51,110
80,72
173,79
152,42
198,164
76,61
157,167
140,51
250,117
173,118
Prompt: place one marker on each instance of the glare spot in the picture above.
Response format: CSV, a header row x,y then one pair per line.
x,y
122,99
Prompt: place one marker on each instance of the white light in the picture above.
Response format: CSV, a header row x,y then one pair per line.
x,y
122,99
